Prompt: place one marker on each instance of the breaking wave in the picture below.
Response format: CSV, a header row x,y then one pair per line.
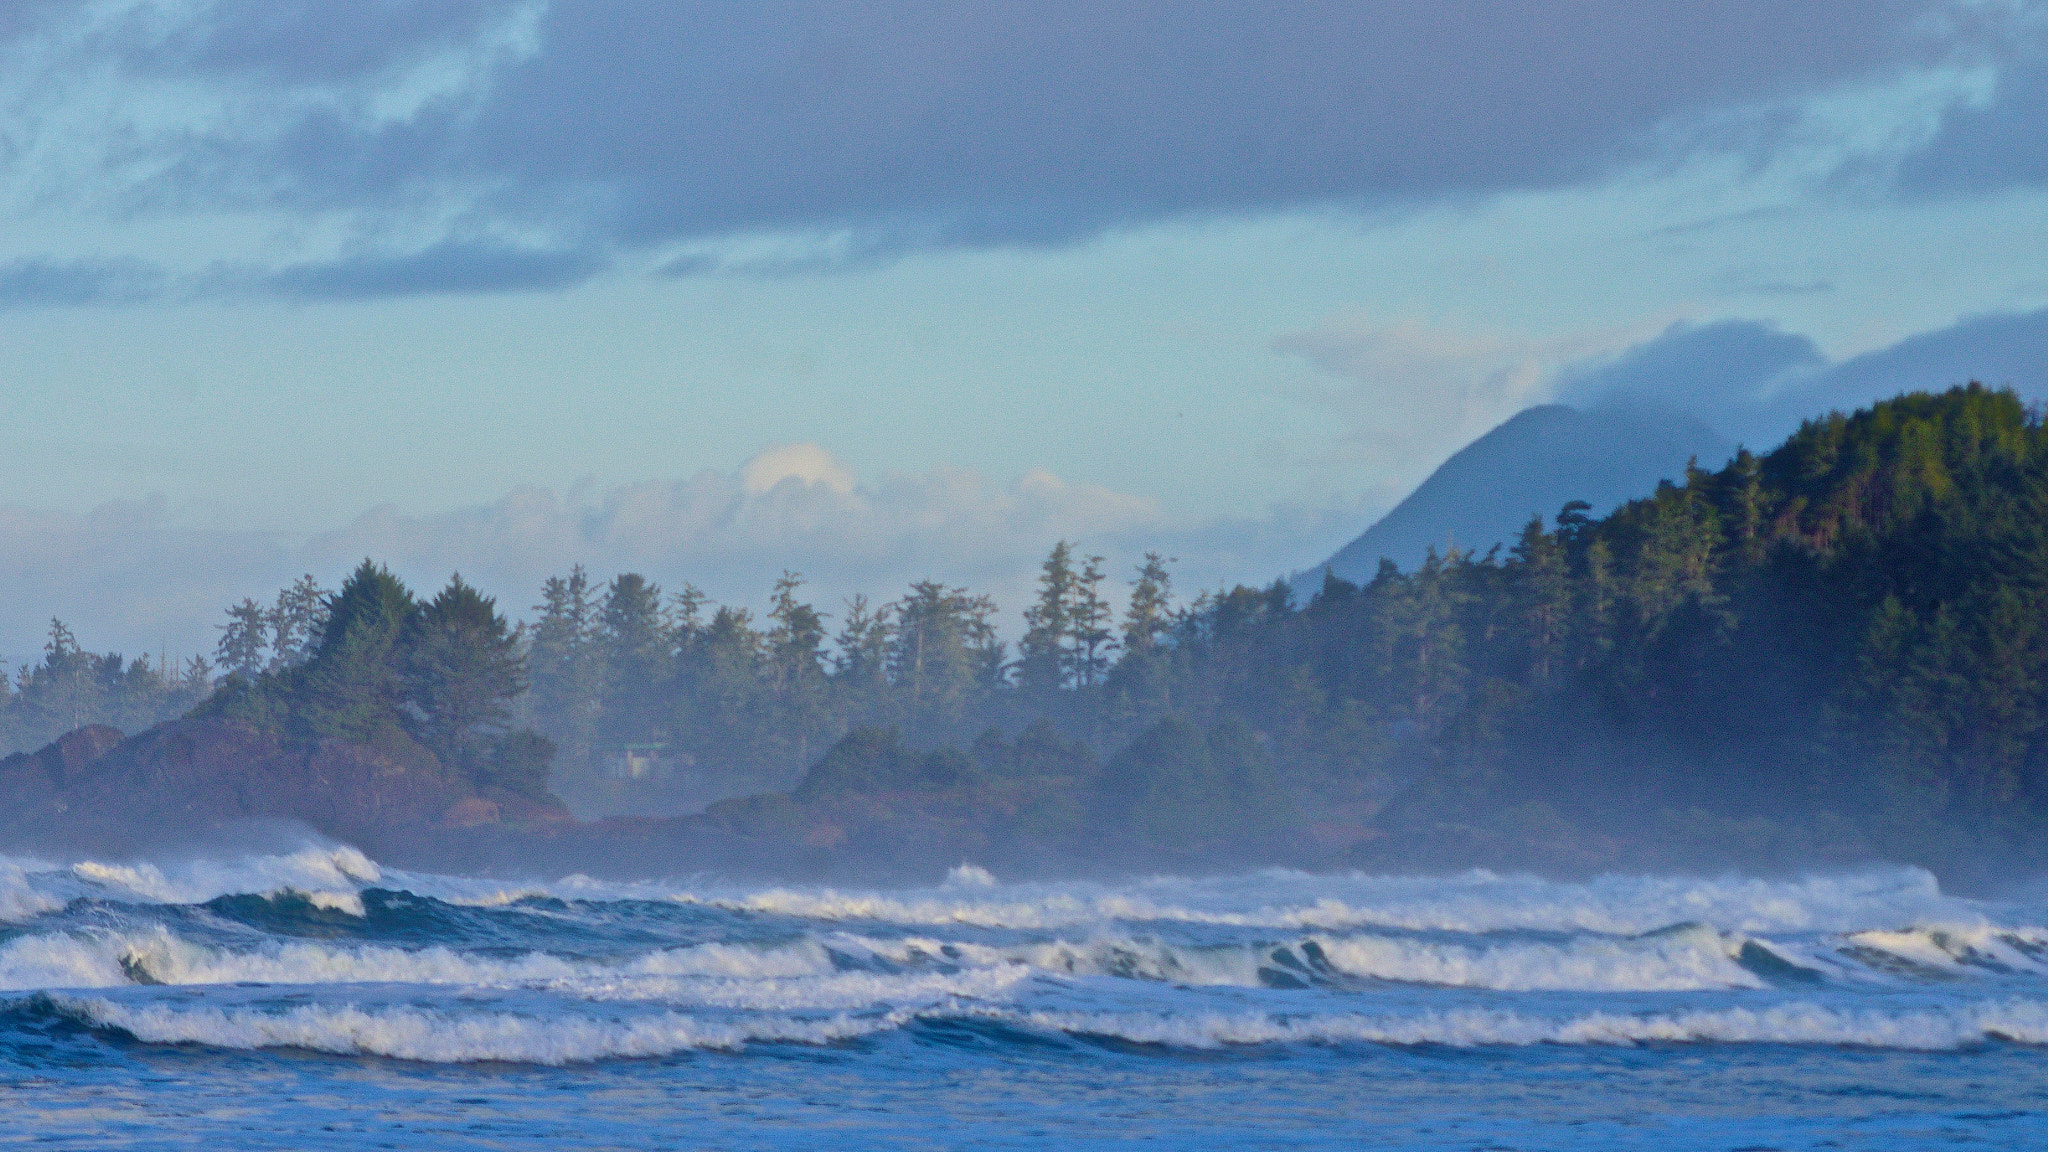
x,y
445,1036
330,877
849,968
324,949
1930,1029
1477,901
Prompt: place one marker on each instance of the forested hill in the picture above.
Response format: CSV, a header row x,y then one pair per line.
x,y
1834,651
1538,459
1838,647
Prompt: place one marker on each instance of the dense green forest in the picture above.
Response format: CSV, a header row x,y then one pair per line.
x,y
1833,649
373,664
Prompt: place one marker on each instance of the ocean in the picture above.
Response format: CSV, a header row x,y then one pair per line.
x,y
317,999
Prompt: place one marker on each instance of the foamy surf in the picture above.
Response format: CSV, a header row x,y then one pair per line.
x,y
1473,902
331,876
444,1035
447,1036
328,876
1929,1029
324,950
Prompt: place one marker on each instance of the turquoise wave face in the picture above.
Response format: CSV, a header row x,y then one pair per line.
x,y
320,991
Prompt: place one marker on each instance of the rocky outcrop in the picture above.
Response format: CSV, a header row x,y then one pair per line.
x,y
45,773
93,790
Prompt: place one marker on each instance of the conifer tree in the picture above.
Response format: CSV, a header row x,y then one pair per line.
x,y
1543,598
943,649
462,670
860,658
353,686
1045,653
1089,620
686,616
564,666
802,719
295,622
243,639
635,648
795,639
1149,615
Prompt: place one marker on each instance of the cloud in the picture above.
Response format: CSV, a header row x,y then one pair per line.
x,y
1757,280
1711,370
793,506
447,267
1755,382
298,43
802,464
625,125
1993,144
1408,392
44,283
1022,122
2002,350
126,576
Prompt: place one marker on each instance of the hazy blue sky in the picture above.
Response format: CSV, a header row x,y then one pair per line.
x,y
885,289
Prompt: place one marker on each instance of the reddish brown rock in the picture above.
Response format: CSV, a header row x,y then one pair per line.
x,y
93,790
48,771
470,812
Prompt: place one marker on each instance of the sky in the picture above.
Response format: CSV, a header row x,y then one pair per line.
x,y
886,290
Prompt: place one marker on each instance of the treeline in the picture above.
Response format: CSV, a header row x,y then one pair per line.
x,y
70,688
746,705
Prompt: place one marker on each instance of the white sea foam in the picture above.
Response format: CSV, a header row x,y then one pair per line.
x,y
20,896
804,972
410,1033
1687,960
59,960
331,876
894,972
435,1034
157,955
791,977
1953,950
1473,902
1879,959
1690,959
1931,1029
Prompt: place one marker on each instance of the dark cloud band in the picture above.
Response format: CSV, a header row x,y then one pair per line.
x,y
620,126
634,123
1755,382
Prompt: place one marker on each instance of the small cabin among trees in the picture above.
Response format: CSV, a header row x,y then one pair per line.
x,y
641,762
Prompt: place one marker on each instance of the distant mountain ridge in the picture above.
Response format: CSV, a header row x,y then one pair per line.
x,y
1533,463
